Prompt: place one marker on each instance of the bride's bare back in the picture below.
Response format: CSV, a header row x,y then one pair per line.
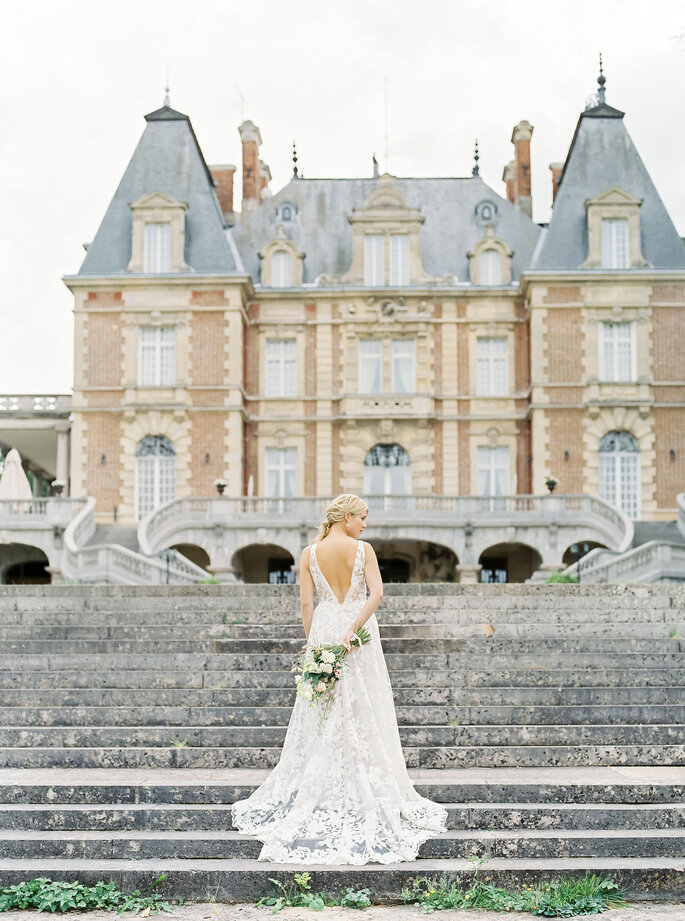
x,y
335,555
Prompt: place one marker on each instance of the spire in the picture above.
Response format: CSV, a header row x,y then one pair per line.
x,y
601,80
295,171
476,157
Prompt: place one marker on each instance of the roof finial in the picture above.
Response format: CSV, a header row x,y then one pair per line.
x,y
476,157
295,172
166,95
601,80
375,167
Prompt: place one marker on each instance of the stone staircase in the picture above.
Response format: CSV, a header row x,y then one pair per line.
x,y
131,718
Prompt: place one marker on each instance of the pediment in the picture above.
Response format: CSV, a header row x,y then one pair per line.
x,y
157,199
614,196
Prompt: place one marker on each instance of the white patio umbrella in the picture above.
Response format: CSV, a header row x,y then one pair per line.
x,y
14,483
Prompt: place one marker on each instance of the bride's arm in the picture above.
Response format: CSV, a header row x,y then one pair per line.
x,y
373,579
306,592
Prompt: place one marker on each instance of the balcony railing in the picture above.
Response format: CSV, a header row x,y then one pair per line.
x,y
655,561
32,404
429,510
27,514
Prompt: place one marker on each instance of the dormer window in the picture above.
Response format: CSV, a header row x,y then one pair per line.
x,y
157,248
490,267
614,243
158,235
374,263
281,269
399,259
286,213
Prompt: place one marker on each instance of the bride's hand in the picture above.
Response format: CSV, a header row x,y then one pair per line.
x,y
346,642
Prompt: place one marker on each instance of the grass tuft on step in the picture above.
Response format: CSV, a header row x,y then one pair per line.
x,y
45,894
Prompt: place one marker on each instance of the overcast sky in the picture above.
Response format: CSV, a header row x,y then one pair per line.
x,y
76,77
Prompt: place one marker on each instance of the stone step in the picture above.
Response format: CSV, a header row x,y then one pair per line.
x,y
269,736
640,696
484,816
462,756
279,715
245,880
222,679
496,645
459,662
226,845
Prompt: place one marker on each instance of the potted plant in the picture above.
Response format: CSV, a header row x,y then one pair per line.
x,y
220,486
550,483
58,487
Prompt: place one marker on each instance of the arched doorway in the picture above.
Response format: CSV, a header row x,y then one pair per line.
x,y
195,554
619,472
508,563
571,555
155,473
264,563
23,564
405,560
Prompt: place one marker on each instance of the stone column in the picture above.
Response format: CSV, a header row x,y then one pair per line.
x,y
469,573
62,466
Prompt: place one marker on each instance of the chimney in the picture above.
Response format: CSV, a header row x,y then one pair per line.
x,y
263,180
509,178
557,170
223,183
520,138
252,140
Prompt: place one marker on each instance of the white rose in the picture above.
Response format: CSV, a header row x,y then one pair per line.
x,y
326,668
328,656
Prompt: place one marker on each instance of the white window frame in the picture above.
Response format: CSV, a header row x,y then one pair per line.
x,y
280,368
388,479
160,470
611,342
281,269
157,247
489,463
374,260
399,259
282,462
487,263
615,252
404,350
492,366
616,470
370,350
157,356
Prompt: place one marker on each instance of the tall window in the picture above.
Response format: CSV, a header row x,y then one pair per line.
x,y
370,366
614,244
493,471
399,259
490,267
619,472
281,367
158,247
281,472
403,366
492,367
617,352
157,356
387,471
155,473
374,263
281,269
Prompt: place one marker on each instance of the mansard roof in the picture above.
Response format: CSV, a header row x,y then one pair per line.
x,y
602,156
321,229
167,159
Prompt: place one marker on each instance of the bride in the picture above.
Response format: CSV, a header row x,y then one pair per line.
x,y
341,795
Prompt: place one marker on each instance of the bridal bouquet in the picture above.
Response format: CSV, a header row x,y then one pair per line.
x,y
320,668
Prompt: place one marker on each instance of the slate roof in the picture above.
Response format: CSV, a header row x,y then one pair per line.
x,y
603,155
321,230
167,159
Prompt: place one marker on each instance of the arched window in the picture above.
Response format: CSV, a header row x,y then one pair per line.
x,y
619,472
387,471
490,267
155,473
281,269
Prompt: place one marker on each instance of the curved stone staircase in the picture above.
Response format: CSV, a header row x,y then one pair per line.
x,y
131,718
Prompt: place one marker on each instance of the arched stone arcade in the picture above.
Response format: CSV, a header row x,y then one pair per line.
x,y
23,564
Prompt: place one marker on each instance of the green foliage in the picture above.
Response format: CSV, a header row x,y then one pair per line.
x,y
47,895
210,581
567,898
560,577
301,896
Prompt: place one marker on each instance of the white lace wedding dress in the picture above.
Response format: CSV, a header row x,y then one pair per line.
x,y
342,796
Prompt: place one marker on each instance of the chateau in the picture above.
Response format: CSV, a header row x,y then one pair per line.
x,y
400,338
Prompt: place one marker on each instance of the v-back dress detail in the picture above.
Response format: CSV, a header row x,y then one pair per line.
x,y
342,796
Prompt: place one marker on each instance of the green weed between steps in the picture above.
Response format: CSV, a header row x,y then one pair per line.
x,y
567,898
48,895
300,896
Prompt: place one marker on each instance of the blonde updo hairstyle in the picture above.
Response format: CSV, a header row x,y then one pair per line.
x,y
337,510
